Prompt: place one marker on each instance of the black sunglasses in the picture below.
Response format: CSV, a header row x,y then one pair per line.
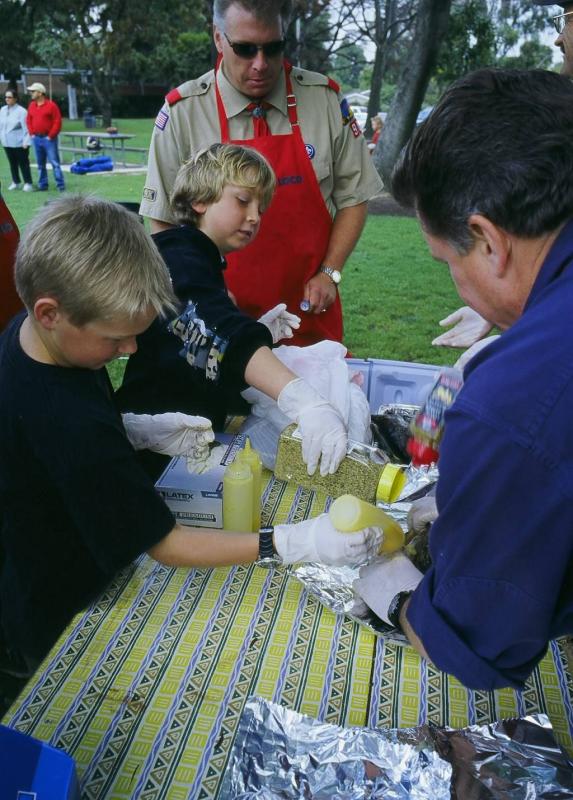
x,y
250,50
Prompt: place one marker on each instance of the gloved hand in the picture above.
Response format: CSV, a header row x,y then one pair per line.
x,y
422,512
471,351
324,434
359,608
280,322
213,458
318,540
383,579
173,434
468,328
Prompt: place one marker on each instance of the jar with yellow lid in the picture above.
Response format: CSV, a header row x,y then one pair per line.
x,y
364,472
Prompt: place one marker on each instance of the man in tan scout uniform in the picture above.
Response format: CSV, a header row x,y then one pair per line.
x,y
306,129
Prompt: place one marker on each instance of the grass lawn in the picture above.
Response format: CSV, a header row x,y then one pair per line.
x,y
393,293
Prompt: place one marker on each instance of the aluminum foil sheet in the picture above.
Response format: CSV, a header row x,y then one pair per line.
x,y
280,753
332,586
515,759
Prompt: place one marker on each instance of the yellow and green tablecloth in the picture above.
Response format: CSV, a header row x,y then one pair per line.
x,y
145,689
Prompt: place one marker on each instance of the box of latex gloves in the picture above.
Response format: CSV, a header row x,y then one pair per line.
x,y
196,498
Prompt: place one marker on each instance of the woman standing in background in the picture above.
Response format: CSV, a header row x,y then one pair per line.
x,y
15,140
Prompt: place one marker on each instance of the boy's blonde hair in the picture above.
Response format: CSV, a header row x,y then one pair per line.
x,y
202,178
93,257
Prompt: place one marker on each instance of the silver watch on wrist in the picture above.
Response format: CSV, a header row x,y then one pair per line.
x,y
334,274
268,556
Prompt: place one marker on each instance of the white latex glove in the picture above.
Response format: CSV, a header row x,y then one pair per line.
x,y
318,540
359,608
324,434
280,322
383,579
173,434
468,327
471,351
422,512
210,461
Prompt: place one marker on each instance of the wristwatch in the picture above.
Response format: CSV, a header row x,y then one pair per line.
x,y
334,274
396,607
268,556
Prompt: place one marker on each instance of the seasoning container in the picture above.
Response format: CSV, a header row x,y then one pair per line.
x,y
249,456
238,497
427,426
349,514
364,472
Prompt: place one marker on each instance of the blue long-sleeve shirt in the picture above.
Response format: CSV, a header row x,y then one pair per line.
x,y
501,583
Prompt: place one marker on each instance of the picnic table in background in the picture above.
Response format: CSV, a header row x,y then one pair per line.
x,y
114,142
145,689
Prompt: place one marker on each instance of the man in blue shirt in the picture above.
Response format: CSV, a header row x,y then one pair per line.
x,y
490,175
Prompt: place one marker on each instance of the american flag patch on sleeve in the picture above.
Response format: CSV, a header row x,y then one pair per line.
x,y
161,120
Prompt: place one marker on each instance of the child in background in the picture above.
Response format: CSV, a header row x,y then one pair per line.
x,y
218,199
377,124
76,506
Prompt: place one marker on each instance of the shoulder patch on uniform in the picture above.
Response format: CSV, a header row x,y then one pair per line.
x,y
192,88
161,120
333,85
355,128
346,111
172,97
348,117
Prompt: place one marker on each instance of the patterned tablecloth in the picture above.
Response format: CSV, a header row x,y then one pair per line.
x,y
145,689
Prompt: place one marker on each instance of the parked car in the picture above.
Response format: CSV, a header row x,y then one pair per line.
x,y
361,115
424,114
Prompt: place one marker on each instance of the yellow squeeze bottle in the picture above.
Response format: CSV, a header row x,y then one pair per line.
x,y
238,497
349,514
250,456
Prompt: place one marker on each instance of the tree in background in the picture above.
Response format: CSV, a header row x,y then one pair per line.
x,y
47,48
387,24
474,34
481,33
176,60
533,54
16,31
469,43
348,63
430,27
310,37
118,40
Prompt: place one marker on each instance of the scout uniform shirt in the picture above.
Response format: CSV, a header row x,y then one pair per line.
x,y
333,140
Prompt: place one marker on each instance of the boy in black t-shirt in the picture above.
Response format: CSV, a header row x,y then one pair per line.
x,y
219,197
75,504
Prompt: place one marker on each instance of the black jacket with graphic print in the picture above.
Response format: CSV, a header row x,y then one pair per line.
x,y
205,375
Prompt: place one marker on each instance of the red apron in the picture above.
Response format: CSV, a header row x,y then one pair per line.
x,y
10,303
293,236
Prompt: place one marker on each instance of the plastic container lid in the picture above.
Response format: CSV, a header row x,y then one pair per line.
x,y
391,483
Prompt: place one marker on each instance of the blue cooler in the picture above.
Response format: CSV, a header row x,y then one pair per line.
x,y
33,770
394,382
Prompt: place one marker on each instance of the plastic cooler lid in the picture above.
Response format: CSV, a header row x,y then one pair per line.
x,y
400,382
